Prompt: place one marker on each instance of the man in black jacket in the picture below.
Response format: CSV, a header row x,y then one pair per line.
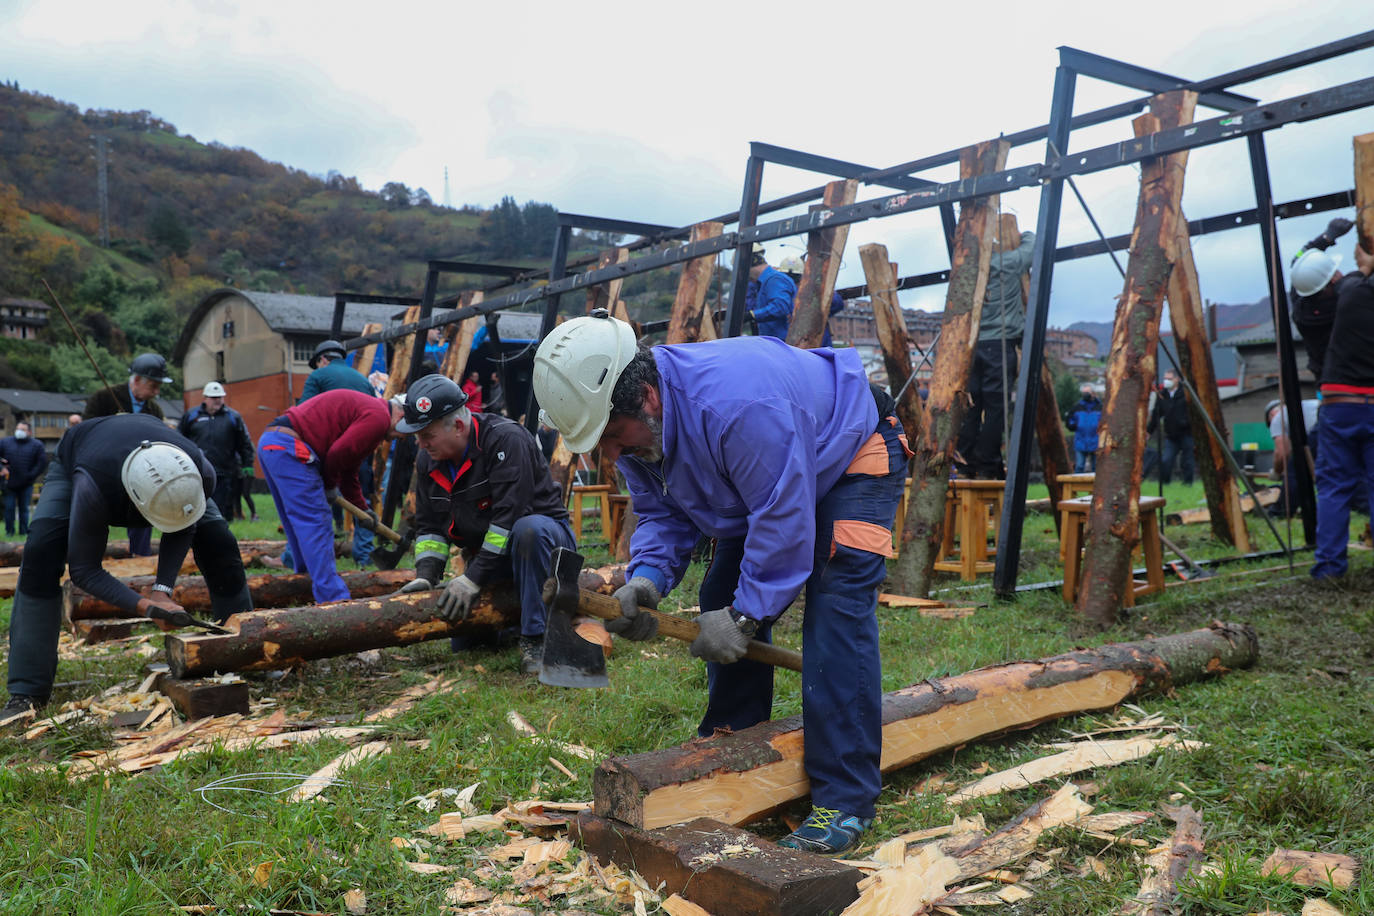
x,y
24,461
115,471
1312,298
221,434
1171,408
482,483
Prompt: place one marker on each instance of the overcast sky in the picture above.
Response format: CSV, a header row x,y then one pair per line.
x,y
645,111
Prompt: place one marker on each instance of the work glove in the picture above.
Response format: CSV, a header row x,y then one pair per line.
x,y
332,494
720,639
370,523
456,602
418,584
633,623
248,471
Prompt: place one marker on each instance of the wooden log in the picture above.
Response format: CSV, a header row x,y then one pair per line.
x,y
456,359
1364,190
120,569
881,277
562,468
721,868
824,249
400,356
948,399
197,698
690,319
742,776
1194,352
282,638
12,553
1114,519
106,629
267,591
605,295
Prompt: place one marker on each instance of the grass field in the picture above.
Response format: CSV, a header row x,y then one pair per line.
x,y
1288,757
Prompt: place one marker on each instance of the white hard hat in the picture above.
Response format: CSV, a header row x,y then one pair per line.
x,y
1312,270
213,390
575,371
791,265
165,486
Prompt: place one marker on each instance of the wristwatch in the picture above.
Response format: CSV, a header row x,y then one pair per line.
x,y
159,587
747,625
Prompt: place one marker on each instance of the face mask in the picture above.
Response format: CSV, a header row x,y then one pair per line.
x,y
21,434
1170,384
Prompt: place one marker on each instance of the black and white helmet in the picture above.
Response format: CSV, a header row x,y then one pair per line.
x,y
430,398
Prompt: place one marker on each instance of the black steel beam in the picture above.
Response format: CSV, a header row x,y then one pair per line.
x,y
619,226
344,299
1085,63
480,269
558,269
1357,42
739,278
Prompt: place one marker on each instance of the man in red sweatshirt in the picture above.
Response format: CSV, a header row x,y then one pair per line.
x,y
310,455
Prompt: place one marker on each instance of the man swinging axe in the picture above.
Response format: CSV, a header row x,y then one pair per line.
x,y
795,466
482,483
127,470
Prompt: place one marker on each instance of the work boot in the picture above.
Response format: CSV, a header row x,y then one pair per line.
x,y
531,654
827,831
19,704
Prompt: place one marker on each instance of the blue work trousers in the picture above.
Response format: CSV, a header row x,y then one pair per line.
x,y
1182,447
293,476
18,499
1345,466
1084,461
842,666
532,540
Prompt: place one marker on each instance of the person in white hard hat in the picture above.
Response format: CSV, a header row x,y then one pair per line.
x,y
1312,299
127,470
795,465
220,432
769,296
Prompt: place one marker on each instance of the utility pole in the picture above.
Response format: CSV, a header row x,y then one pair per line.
x,y
448,201
102,159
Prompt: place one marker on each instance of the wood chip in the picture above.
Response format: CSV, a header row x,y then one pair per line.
x,y
263,873
355,902
678,906
906,889
550,851
483,823
1312,869
322,778
521,724
515,849
1315,906
464,892
1111,821
428,868
1092,865
558,765
1014,893
1085,756
450,827
1167,866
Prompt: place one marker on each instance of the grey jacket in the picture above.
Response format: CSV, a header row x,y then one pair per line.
x,y
1004,311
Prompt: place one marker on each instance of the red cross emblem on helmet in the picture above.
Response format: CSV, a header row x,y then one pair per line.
x,y
423,405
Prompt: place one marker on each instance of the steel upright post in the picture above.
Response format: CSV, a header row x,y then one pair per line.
x,y
558,269
748,214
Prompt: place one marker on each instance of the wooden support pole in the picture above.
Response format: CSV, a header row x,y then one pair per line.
x,y
890,323
824,249
562,468
456,359
364,358
605,295
267,591
690,319
282,638
948,399
400,357
1364,190
742,776
1114,520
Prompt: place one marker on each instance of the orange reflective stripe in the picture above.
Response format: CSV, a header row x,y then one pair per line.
x,y
871,459
864,536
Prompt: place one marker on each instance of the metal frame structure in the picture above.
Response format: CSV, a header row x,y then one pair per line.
x,y
1242,117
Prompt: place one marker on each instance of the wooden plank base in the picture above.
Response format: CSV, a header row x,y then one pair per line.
x,y
197,698
756,876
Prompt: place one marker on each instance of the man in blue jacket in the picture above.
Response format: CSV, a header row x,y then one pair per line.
x,y
24,461
787,458
1083,421
769,297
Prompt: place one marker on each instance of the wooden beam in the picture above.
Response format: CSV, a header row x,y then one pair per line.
x,y
364,358
399,363
197,699
690,319
605,295
881,277
1364,190
1114,519
742,776
824,249
721,868
948,399
456,359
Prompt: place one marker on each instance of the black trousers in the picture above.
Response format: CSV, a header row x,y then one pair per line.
x,y
989,384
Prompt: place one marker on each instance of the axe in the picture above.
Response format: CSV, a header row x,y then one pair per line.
x,y
571,661
385,558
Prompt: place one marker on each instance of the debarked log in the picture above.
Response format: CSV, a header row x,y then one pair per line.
x,y
742,776
267,590
260,640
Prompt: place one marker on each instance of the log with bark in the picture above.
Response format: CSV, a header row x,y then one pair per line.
x,y
282,638
267,590
605,295
948,401
1114,519
881,276
12,554
824,248
1364,191
742,776
690,319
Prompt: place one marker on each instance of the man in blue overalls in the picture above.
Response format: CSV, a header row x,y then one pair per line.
x,y
795,465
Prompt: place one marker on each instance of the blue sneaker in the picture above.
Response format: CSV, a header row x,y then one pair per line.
x,y
827,831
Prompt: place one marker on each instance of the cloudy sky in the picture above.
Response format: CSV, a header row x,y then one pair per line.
x,y
645,111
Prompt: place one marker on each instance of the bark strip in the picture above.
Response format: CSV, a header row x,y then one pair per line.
x,y
890,323
690,319
824,249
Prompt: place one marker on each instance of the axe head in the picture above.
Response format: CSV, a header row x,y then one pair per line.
x,y
389,557
569,660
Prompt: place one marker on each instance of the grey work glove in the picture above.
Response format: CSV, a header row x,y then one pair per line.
x,y
456,602
633,623
332,495
418,584
720,639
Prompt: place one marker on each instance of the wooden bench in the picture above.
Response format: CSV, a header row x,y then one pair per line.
x,y
1072,486
973,513
582,492
1073,522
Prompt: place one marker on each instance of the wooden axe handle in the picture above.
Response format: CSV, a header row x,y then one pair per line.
x,y
362,516
605,607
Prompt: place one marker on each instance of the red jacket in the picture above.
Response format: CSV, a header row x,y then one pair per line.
x,y
343,428
474,392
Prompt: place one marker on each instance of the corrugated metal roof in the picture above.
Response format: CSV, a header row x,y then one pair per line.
x,y
40,401
292,313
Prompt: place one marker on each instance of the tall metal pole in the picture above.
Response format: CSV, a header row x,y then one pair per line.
x,y
1290,387
417,352
748,215
558,269
1033,344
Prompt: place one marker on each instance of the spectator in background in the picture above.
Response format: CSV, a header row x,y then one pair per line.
x,y
73,419
496,395
1312,298
769,297
219,431
472,387
329,371
793,267
1083,421
24,460
1171,410
436,348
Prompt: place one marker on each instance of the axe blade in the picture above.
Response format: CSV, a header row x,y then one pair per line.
x,y
569,660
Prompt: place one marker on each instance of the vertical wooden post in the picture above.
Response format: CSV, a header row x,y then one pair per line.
x,y
824,248
1174,109
400,356
456,360
690,319
948,399
1364,190
604,295
892,335
1114,519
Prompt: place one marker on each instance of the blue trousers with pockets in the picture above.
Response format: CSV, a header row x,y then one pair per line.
x,y
293,476
842,667
1345,467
